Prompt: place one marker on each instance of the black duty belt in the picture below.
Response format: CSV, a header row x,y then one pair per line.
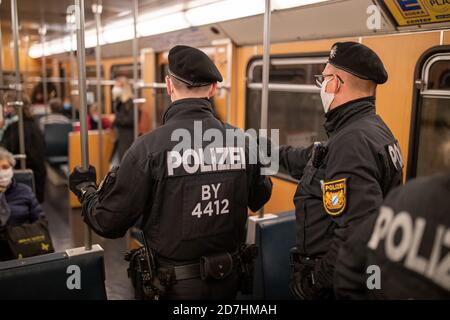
x,y
188,271
215,266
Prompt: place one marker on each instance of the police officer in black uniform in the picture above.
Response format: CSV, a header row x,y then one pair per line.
x,y
403,252
191,193
342,180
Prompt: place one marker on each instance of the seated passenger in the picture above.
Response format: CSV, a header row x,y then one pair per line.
x,y
34,141
18,204
67,109
56,115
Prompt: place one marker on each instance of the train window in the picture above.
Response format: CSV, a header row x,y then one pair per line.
x,y
91,74
287,71
433,116
162,99
124,70
439,75
295,106
9,77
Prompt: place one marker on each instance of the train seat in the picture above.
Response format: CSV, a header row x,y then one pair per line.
x,y
57,140
274,238
55,276
25,176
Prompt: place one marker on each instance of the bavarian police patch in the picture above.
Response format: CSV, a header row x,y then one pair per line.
x,y
335,196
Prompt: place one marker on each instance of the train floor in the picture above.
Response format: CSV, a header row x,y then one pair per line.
x,y
67,230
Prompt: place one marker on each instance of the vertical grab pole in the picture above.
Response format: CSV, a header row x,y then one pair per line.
x,y
135,69
265,75
19,103
70,19
27,48
229,75
154,99
79,14
97,10
43,32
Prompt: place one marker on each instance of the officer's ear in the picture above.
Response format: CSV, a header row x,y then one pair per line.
x,y
212,90
334,85
169,86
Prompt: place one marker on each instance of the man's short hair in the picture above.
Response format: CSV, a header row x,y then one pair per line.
x,y
56,105
180,85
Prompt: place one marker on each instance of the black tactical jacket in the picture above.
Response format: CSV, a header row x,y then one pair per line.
x,y
362,150
407,243
189,208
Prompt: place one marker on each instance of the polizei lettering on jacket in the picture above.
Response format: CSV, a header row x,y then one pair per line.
x,y
208,160
403,235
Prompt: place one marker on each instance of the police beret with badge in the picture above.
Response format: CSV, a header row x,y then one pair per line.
x,y
192,66
359,60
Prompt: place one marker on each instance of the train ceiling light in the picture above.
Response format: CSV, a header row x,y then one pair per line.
x,y
193,14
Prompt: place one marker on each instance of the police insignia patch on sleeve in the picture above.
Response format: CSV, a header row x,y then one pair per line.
x,y
335,196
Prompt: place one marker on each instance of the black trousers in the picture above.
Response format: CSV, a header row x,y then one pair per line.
x,y
198,289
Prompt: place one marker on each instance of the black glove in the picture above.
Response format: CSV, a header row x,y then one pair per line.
x,y
304,286
80,179
301,287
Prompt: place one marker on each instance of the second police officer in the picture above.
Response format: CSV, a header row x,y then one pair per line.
x,y
192,201
403,252
342,180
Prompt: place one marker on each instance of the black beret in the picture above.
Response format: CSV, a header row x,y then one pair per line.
x,y
358,60
192,66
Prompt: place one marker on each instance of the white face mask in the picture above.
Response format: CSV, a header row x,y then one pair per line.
x,y
6,177
116,92
327,98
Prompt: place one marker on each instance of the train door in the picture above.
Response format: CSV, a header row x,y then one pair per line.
x,y
431,119
295,107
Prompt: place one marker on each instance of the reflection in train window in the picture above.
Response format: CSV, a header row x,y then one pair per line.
x,y
295,107
434,116
434,131
439,75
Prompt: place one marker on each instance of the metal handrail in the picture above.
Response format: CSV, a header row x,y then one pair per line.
x,y
79,7
265,75
19,102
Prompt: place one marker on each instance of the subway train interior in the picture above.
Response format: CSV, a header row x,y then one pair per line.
x,y
69,69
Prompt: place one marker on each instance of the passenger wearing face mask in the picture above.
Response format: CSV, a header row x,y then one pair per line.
x,y
67,109
18,204
344,180
55,116
124,115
